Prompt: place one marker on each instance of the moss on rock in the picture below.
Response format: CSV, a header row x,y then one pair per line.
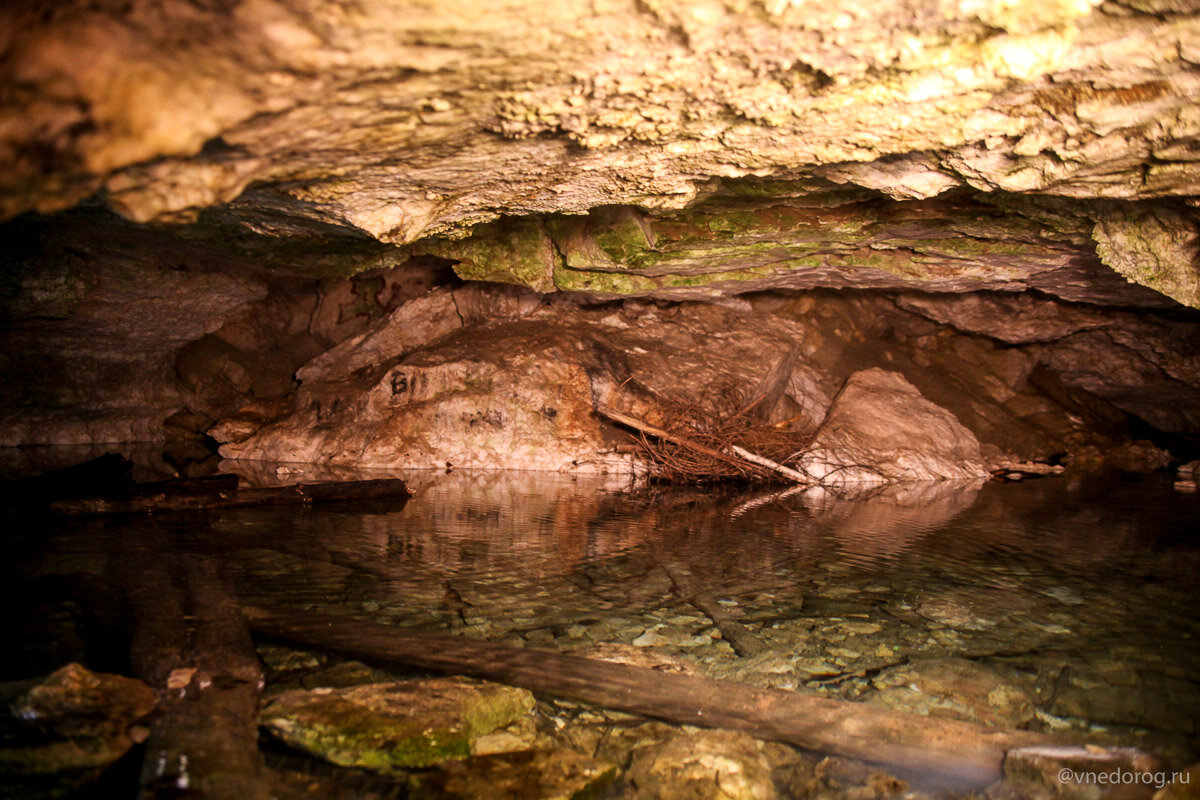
x,y
391,726
1154,245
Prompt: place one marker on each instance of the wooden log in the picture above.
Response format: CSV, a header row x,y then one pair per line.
x,y
754,458
299,493
204,486
192,645
966,753
743,642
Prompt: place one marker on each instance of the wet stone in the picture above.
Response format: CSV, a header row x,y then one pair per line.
x,y
704,765
67,728
953,687
558,774
385,727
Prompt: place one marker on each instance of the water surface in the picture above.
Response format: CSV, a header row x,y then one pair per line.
x,y
1077,596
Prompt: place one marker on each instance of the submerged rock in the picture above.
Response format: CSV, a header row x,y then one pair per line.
x,y
705,765
881,429
384,727
558,774
953,687
65,730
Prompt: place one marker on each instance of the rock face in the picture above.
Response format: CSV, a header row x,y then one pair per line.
x,y
881,430
483,377
259,218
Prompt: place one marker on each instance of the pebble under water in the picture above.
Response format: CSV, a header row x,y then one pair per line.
x,y
1064,604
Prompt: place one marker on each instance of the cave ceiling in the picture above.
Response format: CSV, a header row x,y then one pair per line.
x,y
648,147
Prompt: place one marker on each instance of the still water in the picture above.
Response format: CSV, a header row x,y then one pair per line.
x,y
1062,604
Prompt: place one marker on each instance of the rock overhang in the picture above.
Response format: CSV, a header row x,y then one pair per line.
x,y
293,129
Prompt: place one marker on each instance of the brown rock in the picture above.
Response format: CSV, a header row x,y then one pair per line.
x,y
880,429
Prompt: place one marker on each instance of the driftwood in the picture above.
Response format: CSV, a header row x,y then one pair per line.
x,y
659,433
191,644
958,751
787,472
218,492
739,457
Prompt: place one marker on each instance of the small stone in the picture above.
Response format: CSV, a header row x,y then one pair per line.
x,y
816,668
498,742
650,638
1064,594
953,687
370,606
558,774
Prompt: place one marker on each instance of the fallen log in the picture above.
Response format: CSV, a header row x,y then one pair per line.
x,y
192,646
222,496
965,753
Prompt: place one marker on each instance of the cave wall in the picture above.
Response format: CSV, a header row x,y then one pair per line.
x,y
255,220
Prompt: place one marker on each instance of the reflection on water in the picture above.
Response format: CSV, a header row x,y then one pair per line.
x,y
1077,596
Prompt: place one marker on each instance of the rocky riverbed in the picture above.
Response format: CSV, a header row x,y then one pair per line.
x,y
1000,605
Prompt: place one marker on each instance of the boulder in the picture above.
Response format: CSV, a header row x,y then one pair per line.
x,y
391,726
705,765
881,429
68,728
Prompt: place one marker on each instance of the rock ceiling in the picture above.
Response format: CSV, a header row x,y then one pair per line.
x,y
663,147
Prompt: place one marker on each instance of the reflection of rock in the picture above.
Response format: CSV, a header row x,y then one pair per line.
x,y
883,521
880,429
388,726
1110,689
68,728
953,687
706,765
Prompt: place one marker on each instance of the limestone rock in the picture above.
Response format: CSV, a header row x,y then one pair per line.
x,y
65,730
430,119
558,774
391,726
953,688
1156,247
881,429
705,765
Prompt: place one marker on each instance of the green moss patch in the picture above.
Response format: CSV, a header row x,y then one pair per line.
x,y
390,726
